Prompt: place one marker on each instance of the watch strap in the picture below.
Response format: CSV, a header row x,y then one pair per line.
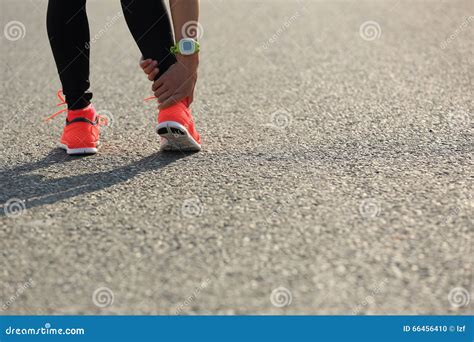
x,y
174,49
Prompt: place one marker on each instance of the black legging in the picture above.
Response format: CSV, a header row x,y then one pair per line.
x,y
68,31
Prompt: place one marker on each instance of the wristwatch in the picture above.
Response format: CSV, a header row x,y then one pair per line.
x,y
186,47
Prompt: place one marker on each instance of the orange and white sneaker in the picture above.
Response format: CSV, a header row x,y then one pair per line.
x,y
176,129
81,133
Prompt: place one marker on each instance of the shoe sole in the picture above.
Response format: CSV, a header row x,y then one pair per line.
x,y
176,137
79,151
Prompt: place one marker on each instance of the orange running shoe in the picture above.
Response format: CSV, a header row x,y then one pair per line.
x,y
176,128
81,133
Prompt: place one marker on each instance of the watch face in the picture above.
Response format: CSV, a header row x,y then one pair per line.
x,y
187,47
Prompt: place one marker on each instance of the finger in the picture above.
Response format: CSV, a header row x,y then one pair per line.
x,y
162,90
157,84
171,101
162,98
152,75
149,68
144,63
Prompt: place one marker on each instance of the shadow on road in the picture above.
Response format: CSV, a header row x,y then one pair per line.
x,y
35,190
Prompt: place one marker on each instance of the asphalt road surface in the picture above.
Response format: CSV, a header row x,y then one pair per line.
x,y
334,178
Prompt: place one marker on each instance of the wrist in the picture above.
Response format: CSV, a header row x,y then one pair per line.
x,y
190,60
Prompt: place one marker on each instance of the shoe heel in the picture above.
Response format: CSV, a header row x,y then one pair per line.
x,y
176,137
